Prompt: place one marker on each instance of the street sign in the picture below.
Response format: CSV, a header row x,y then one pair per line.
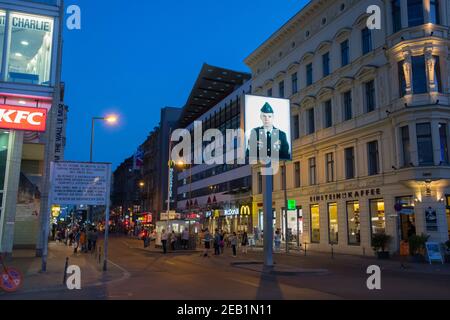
x,y
77,183
10,280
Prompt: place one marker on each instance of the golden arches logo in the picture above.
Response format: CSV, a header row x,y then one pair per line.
x,y
245,211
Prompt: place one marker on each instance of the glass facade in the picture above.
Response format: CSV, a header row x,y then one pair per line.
x,y
4,146
29,58
377,216
353,223
333,228
315,223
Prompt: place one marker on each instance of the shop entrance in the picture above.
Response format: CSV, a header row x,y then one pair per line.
x,y
294,226
407,218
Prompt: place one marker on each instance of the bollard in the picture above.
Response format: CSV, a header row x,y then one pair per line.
x,y
332,252
305,249
100,255
65,271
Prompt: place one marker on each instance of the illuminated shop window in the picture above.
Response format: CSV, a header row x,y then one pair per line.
x,y
333,223
31,48
315,224
377,216
354,223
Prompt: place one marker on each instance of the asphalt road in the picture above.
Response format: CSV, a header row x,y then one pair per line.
x,y
189,276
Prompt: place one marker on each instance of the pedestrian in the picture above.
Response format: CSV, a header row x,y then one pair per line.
x,y
277,240
244,242
89,239
207,240
217,243
173,240
222,242
76,240
94,239
233,242
164,237
185,239
83,240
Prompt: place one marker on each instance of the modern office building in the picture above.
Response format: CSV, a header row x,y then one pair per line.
x,y
217,195
32,116
370,119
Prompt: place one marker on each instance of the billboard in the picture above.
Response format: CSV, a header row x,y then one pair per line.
x,y
267,128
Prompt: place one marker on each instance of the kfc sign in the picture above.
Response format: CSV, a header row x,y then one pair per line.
x,y
22,118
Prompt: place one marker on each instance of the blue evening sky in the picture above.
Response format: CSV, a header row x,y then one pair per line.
x,y
133,57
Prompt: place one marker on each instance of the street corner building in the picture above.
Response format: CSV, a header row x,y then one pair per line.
x,y
370,123
32,116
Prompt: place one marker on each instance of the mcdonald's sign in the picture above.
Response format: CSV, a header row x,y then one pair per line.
x,y
245,210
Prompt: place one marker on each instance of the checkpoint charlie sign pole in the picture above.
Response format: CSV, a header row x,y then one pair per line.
x,y
268,140
78,183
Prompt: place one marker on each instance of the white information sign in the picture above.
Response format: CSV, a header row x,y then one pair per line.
x,y
79,183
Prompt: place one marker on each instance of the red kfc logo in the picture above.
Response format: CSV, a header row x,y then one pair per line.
x,y
23,118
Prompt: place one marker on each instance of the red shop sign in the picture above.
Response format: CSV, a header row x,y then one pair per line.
x,y
23,118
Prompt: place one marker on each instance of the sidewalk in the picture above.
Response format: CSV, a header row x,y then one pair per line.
x,y
35,281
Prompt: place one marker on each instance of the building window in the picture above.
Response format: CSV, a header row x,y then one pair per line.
x,y
333,228
353,223
401,79
269,92
297,175
2,32
283,177
350,163
419,74
315,223
406,146
294,83
309,74
415,13
329,158
374,165
312,171
281,89
30,49
348,109
437,73
366,36
424,144
434,12
260,183
311,121
444,143
326,64
370,96
296,127
396,15
345,53
328,114
377,216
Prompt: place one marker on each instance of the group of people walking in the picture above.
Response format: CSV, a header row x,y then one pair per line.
x,y
221,239
172,239
83,238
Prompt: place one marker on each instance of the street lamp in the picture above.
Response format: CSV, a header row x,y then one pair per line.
x,y
111,120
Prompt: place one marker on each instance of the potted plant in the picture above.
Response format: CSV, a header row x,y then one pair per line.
x,y
380,242
417,247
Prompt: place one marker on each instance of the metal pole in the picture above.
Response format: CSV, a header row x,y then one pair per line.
x,y
268,218
286,209
168,178
108,191
46,227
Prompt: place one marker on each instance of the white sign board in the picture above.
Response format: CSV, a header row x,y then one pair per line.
x,y
77,183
